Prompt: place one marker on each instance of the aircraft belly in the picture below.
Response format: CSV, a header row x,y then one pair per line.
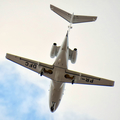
x,y
56,92
62,59
61,62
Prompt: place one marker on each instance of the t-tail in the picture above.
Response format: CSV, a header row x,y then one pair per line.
x,y
71,18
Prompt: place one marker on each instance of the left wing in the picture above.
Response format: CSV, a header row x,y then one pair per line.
x,y
81,78
39,67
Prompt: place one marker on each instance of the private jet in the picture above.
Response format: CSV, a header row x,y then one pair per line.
x,y
59,72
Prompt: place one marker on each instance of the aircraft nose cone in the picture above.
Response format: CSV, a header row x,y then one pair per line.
x,y
52,109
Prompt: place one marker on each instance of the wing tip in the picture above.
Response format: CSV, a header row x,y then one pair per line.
x,y
95,18
7,54
52,6
113,83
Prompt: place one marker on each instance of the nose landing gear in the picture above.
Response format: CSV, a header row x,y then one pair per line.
x,y
53,107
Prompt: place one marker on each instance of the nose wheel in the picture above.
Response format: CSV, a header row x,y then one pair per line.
x,y
53,107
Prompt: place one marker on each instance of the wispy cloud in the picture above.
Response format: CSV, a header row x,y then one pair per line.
x,y
22,99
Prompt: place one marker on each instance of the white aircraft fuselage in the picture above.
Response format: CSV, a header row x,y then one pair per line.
x,y
60,64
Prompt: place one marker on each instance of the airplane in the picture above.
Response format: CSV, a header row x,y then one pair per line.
x,y
59,72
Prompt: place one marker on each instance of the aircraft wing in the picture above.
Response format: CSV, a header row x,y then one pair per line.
x,y
35,66
81,78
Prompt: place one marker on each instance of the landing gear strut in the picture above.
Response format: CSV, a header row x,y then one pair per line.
x,y
53,106
42,71
73,82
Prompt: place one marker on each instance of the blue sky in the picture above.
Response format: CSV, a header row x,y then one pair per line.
x,y
28,29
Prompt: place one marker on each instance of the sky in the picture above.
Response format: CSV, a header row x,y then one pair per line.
x,y
29,28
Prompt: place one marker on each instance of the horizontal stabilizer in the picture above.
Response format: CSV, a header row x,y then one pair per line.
x,y
81,19
76,18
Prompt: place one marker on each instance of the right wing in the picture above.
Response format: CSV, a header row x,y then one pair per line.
x,y
41,68
76,18
81,78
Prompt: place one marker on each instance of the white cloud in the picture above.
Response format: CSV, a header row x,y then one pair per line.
x,y
18,98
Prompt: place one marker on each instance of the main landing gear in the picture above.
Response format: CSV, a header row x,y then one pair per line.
x,y
70,77
73,82
43,70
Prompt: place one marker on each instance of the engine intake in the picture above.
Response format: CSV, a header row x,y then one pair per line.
x,y
53,52
74,56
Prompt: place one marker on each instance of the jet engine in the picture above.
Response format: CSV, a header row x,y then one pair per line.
x,y
53,52
74,56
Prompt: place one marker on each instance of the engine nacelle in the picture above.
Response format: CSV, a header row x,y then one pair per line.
x,y
53,52
74,56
